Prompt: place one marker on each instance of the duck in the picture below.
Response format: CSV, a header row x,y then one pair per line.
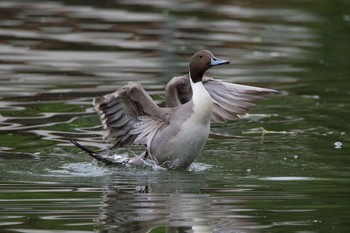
x,y
173,135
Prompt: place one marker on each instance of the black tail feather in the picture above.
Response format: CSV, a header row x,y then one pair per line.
x,y
90,152
95,155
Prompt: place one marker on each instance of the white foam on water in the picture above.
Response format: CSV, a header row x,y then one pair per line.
x,y
198,167
81,169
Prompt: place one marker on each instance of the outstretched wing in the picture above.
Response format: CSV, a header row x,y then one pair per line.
x,y
129,115
230,100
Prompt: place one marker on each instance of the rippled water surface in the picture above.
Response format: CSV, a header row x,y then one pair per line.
x,y
283,168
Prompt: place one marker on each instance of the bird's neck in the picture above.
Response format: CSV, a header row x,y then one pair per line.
x,y
195,74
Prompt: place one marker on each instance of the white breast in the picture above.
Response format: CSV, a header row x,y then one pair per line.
x,y
194,132
203,104
184,145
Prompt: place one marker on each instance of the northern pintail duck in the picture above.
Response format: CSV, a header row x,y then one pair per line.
x,y
173,135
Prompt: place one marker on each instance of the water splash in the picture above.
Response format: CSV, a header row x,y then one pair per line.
x,y
338,145
198,167
80,169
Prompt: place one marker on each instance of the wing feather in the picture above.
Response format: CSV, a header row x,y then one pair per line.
x,y
129,115
230,100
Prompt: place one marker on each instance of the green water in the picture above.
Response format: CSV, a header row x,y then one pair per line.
x,y
283,168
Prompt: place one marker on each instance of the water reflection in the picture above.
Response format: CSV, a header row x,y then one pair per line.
x,y
171,203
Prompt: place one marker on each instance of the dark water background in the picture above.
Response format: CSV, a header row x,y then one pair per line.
x,y
284,168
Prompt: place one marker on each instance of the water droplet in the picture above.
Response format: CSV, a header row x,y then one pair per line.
x,y
249,170
338,145
295,156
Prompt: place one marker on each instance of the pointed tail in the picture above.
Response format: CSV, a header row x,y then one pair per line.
x,y
95,155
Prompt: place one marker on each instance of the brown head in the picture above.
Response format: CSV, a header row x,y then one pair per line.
x,y
200,62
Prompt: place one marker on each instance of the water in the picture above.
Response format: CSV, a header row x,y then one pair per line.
x,y
282,168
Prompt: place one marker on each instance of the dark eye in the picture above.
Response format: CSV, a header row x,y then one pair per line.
x,y
200,56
